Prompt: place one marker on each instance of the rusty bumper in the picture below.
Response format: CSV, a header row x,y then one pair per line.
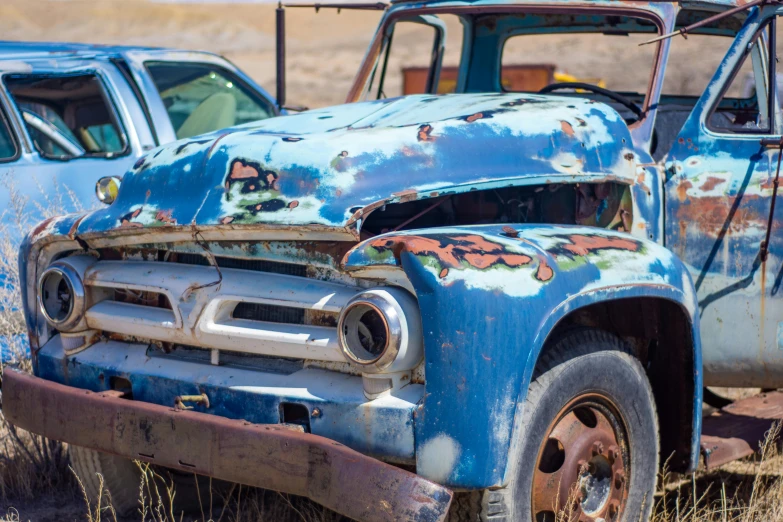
x,y
265,456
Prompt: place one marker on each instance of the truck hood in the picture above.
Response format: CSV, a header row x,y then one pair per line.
x,y
330,167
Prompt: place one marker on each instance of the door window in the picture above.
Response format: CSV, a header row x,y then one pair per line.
x,y
201,98
67,116
744,103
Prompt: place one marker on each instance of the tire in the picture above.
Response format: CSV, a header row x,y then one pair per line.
x,y
122,479
584,382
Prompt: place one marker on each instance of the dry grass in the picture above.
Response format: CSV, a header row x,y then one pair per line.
x,y
35,471
747,491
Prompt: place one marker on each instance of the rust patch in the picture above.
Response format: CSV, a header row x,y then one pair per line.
x,y
709,214
474,117
242,170
313,466
510,232
42,226
425,133
125,221
682,189
293,204
582,245
568,129
711,183
544,272
444,273
406,195
164,216
455,251
226,220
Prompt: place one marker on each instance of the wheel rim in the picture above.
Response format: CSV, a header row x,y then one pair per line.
x,y
582,465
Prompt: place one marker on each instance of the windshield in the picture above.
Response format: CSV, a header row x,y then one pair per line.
x,y
516,52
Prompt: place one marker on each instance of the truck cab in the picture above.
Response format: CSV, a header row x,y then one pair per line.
x,y
478,304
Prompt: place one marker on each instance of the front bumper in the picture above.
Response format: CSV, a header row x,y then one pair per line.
x,y
266,456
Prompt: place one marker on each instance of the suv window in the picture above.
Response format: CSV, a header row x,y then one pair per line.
x,y
7,144
201,98
67,116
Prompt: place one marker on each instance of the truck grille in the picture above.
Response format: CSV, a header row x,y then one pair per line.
x,y
269,313
257,265
252,307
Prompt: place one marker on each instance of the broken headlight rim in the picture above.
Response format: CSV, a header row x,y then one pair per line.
x,y
61,296
380,331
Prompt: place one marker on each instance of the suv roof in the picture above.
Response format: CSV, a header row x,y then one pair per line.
x,y
712,4
10,49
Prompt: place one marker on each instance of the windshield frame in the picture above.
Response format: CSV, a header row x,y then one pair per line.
x,y
662,18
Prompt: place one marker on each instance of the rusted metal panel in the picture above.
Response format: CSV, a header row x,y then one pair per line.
x,y
265,456
739,429
718,202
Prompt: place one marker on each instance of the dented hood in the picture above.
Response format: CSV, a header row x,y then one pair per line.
x,y
323,168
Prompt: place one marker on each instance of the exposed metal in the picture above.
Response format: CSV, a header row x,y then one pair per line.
x,y
266,456
740,429
582,466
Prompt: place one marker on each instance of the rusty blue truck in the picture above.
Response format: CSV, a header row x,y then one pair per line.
x,y
467,305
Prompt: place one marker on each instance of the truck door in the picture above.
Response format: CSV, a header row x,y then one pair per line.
x,y
190,93
74,122
719,191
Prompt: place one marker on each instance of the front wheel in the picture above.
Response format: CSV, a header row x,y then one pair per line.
x,y
590,446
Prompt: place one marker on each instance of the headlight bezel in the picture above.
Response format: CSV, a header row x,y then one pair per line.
x,y
402,323
49,281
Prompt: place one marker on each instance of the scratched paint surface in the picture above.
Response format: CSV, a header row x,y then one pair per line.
x,y
255,396
718,203
514,290
322,166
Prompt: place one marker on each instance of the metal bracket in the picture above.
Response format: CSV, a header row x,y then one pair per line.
x,y
179,401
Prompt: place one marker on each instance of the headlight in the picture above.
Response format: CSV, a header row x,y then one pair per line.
x,y
380,330
61,296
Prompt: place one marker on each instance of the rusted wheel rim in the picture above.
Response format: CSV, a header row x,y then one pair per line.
x,y
582,465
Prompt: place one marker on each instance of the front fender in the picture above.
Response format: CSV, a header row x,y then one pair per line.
x,y
490,296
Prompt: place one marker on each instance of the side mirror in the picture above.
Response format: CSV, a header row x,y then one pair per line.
x,y
106,189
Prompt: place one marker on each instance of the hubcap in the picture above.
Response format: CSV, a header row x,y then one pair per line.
x,y
582,465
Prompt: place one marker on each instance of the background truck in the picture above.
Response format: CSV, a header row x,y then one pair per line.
x,y
484,305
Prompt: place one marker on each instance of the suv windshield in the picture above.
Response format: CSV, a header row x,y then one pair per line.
x,y
201,98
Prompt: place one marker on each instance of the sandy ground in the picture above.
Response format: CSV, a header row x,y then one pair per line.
x,y
325,49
